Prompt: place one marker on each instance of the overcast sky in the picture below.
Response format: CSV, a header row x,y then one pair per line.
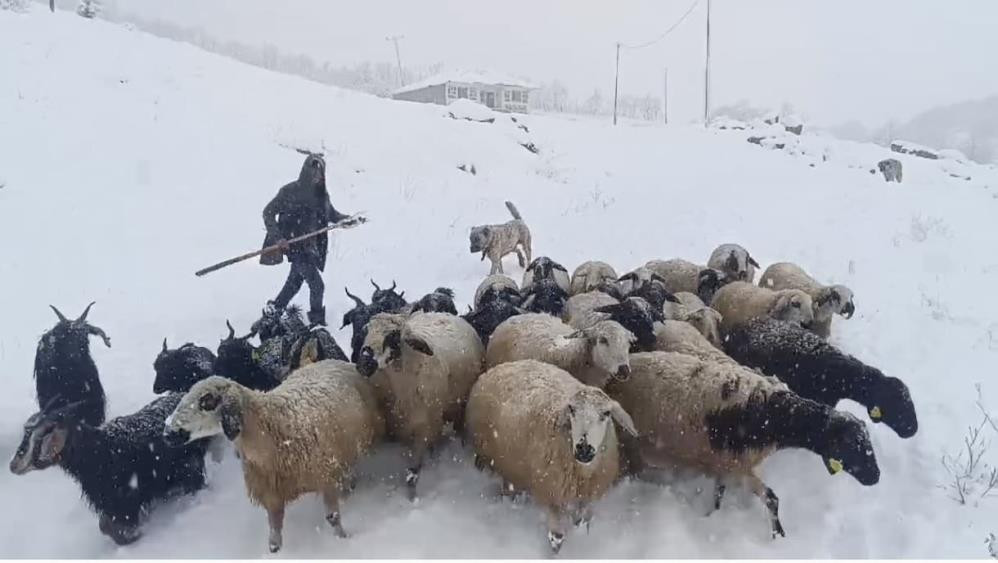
x,y
868,60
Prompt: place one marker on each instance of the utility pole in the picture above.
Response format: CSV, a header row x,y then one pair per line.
x,y
616,80
665,97
395,39
706,77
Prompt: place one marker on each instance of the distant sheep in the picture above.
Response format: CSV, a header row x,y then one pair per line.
x,y
441,300
740,302
580,309
422,368
817,370
724,420
590,275
636,279
734,261
681,275
593,354
546,433
65,372
123,467
828,299
544,268
388,299
302,437
498,285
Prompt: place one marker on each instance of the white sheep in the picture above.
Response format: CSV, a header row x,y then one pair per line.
x,y
593,354
724,420
546,433
580,308
499,284
589,276
739,302
303,436
684,338
828,299
422,368
734,261
681,275
705,319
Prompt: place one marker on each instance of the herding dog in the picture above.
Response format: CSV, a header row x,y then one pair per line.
x,y
496,241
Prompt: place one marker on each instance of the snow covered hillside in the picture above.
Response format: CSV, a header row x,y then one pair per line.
x,y
128,162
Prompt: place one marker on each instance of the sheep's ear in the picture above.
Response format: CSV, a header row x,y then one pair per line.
x,y
529,302
621,417
628,276
658,278
232,419
753,262
419,345
608,309
564,420
577,334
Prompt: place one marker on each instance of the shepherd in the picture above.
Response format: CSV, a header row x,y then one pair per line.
x,y
298,208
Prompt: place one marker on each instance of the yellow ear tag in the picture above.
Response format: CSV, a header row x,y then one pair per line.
x,y
256,356
875,413
834,465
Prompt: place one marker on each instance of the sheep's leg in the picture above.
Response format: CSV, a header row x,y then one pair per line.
x,y
332,501
556,529
275,515
719,488
416,456
584,515
767,495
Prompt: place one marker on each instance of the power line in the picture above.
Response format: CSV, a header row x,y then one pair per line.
x,y
667,32
395,39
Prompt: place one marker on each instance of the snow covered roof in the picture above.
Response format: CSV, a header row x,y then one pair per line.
x,y
469,77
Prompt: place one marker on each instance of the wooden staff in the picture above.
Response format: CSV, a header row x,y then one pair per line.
x,y
347,223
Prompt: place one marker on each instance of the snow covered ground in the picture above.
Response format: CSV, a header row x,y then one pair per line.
x,y
129,162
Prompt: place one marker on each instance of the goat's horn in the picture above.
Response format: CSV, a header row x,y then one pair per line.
x,y
164,344
394,285
59,314
357,300
375,285
232,331
83,317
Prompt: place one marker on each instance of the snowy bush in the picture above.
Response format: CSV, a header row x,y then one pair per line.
x,y
19,6
89,8
973,479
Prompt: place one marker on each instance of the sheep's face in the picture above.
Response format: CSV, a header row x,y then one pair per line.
x,y
206,410
545,296
609,348
637,316
793,306
479,239
707,321
890,402
42,445
179,369
388,355
709,281
846,446
544,268
499,293
588,417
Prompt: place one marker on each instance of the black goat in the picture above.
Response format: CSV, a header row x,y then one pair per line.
x,y
241,362
313,346
64,370
123,467
361,314
816,370
638,316
179,369
440,301
655,293
489,315
388,298
545,296
276,323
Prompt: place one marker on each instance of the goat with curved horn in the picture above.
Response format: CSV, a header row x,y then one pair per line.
x,y
232,331
357,300
376,288
62,318
83,317
164,345
394,285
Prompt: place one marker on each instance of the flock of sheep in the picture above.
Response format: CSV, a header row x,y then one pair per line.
x,y
562,385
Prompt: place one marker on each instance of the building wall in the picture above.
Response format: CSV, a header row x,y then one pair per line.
x,y
444,94
429,95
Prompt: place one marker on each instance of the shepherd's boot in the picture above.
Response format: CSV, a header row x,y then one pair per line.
x,y
317,316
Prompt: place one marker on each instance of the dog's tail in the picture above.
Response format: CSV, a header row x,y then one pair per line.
x,y
513,211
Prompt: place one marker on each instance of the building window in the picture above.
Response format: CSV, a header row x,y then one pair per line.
x,y
462,92
473,93
517,96
524,97
452,91
505,95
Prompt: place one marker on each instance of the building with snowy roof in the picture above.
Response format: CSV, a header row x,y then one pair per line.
x,y
491,89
